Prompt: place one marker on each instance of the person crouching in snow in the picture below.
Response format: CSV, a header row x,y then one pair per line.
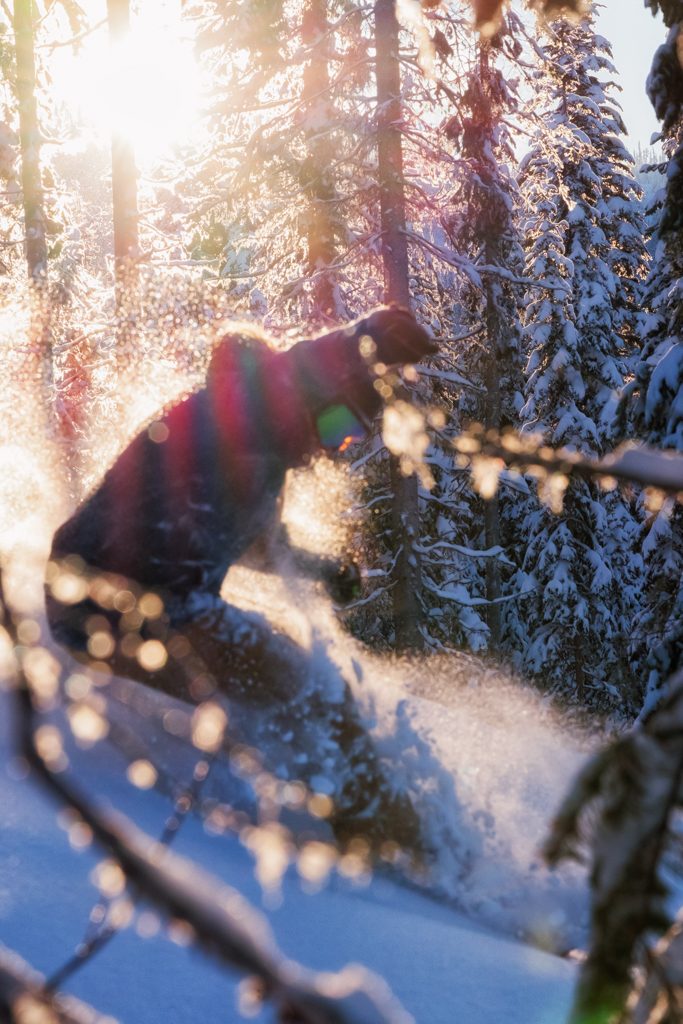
x,y
188,497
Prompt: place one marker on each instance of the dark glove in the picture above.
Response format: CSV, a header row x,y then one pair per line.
x,y
397,335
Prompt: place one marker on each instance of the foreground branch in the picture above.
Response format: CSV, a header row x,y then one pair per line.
x,y
222,923
23,997
630,463
620,812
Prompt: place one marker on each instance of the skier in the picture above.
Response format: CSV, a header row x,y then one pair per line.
x,y
188,497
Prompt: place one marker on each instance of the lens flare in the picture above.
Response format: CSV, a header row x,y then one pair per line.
x,y
145,88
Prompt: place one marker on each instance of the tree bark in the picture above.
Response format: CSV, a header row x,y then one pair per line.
x,y
579,669
316,169
492,405
39,372
29,132
123,170
492,421
405,514
390,155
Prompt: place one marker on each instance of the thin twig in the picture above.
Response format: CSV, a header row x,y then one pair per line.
x,y
74,40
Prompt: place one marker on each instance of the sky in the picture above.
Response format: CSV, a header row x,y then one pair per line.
x,y
148,88
635,35
163,94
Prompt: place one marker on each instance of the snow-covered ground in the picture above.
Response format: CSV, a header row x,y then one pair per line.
x,y
489,764
440,965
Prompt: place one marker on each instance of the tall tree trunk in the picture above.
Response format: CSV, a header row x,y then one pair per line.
x,y
316,170
579,666
123,170
492,421
492,403
34,217
39,370
405,514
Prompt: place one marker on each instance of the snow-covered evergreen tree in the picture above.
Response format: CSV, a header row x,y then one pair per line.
x,y
657,391
276,196
586,254
481,223
650,164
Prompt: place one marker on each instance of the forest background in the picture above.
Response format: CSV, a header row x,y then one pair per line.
x,y
328,157
300,177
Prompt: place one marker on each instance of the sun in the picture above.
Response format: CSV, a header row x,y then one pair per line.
x,y
146,88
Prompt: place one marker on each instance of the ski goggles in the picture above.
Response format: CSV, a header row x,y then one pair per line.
x,y
338,426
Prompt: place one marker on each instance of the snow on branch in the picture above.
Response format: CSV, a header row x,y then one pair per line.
x,y
488,13
495,552
487,453
24,997
457,593
620,814
450,376
474,271
649,467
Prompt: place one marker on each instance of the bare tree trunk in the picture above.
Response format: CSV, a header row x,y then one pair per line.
x,y
34,217
39,374
492,420
390,154
405,514
492,408
493,583
579,666
123,170
318,183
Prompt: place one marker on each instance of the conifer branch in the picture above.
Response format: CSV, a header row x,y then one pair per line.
x,y
619,813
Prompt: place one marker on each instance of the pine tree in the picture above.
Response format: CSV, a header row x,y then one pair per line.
x,y
657,391
481,222
585,247
264,197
